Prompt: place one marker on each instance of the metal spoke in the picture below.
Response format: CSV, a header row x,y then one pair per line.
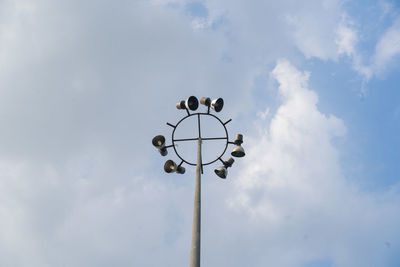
x,y
195,139
186,139
214,138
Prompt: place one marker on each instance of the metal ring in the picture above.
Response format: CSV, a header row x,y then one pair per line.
x,y
199,114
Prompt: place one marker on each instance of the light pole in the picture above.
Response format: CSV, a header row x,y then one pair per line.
x,y
191,104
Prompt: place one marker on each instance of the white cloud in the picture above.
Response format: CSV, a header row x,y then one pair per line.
x,y
295,193
83,88
387,48
346,37
346,41
86,85
264,115
313,28
325,31
88,215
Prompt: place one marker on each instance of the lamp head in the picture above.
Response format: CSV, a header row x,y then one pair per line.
x,y
169,166
158,141
238,151
217,104
222,172
192,103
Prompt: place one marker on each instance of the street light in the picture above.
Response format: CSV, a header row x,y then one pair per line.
x,y
191,103
159,143
170,166
216,104
238,150
222,171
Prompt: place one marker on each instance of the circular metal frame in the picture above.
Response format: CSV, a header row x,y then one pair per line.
x,y
205,138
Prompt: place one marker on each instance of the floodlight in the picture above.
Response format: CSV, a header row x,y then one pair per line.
x,y
159,143
170,166
217,104
191,103
222,171
238,150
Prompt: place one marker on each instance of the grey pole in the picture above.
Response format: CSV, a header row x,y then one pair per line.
x,y
195,250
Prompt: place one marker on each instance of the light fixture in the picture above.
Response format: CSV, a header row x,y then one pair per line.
x,y
222,171
191,103
159,143
217,104
170,166
238,150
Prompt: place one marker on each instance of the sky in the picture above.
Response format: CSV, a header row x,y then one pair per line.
x,y
312,86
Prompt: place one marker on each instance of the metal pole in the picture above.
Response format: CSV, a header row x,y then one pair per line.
x,y
195,250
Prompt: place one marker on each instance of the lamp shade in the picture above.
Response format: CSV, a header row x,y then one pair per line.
x,y
217,104
222,172
169,166
238,151
158,141
192,103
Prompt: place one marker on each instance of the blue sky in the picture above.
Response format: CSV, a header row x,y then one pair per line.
x,y
312,85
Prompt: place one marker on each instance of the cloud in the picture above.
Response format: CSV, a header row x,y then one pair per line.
x,y
78,216
347,40
346,37
313,26
86,85
296,196
82,89
331,32
69,77
387,48
318,29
